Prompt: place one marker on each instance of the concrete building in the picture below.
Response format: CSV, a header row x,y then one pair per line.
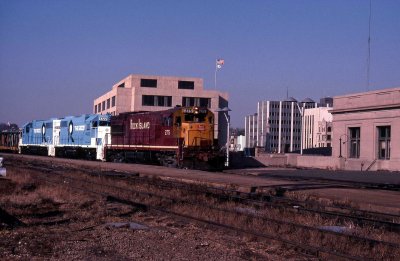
x,y
365,130
237,143
317,127
154,93
250,130
277,127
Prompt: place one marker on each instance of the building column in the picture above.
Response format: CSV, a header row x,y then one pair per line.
x,y
280,127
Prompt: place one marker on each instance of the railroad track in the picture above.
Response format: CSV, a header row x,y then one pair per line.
x,y
339,183
261,200
361,217
55,176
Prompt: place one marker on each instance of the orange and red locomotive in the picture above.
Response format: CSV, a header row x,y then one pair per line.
x,y
182,136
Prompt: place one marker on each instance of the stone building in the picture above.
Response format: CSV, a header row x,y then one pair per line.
x,y
366,130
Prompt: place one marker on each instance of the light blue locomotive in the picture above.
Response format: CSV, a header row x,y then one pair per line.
x,y
36,137
73,136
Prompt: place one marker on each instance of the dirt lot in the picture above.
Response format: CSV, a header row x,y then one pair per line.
x,y
64,224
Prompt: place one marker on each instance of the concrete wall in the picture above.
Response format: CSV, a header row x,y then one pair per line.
x,y
316,162
299,161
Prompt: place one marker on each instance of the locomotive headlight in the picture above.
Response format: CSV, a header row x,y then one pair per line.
x,y
196,110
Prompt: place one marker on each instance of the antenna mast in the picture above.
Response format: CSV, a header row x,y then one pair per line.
x,y
369,45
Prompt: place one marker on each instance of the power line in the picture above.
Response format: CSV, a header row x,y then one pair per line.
x,y
369,45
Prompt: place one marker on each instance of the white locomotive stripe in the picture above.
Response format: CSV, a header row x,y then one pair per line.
x,y
39,145
143,146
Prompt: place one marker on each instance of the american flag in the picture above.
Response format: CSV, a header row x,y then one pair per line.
x,y
219,63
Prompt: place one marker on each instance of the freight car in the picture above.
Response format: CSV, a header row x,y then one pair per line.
x,y
182,137
73,136
9,140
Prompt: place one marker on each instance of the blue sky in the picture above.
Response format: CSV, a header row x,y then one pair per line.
x,y
57,56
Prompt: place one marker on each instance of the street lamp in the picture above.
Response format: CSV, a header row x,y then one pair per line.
x,y
225,110
340,144
301,130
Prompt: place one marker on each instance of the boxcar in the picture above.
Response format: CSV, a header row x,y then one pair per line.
x,y
9,140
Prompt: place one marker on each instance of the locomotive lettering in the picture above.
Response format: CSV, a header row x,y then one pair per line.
x,y
188,110
79,128
139,125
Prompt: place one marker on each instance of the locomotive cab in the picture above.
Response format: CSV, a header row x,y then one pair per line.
x,y
195,126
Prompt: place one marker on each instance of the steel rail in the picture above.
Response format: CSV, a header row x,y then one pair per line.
x,y
174,200
315,251
252,195
236,197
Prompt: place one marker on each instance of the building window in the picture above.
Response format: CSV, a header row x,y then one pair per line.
x,y
164,101
148,83
384,142
205,102
152,100
195,101
188,85
95,108
103,105
148,100
108,103
354,142
188,101
113,101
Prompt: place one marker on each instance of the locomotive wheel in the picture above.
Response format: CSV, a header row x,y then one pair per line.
x,y
168,161
117,158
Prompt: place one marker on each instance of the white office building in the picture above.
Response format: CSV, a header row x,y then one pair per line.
x,y
317,127
276,126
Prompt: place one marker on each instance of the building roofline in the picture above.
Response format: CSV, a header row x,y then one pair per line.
x,y
159,76
394,89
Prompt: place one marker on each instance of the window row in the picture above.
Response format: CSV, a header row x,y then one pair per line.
x,y
155,100
276,145
383,142
283,122
152,83
196,101
106,104
323,129
285,114
284,130
324,137
284,138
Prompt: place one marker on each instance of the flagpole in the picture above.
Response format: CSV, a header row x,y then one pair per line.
x,y
218,65
215,77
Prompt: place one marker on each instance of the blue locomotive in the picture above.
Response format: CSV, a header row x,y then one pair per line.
x,y
36,137
73,136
